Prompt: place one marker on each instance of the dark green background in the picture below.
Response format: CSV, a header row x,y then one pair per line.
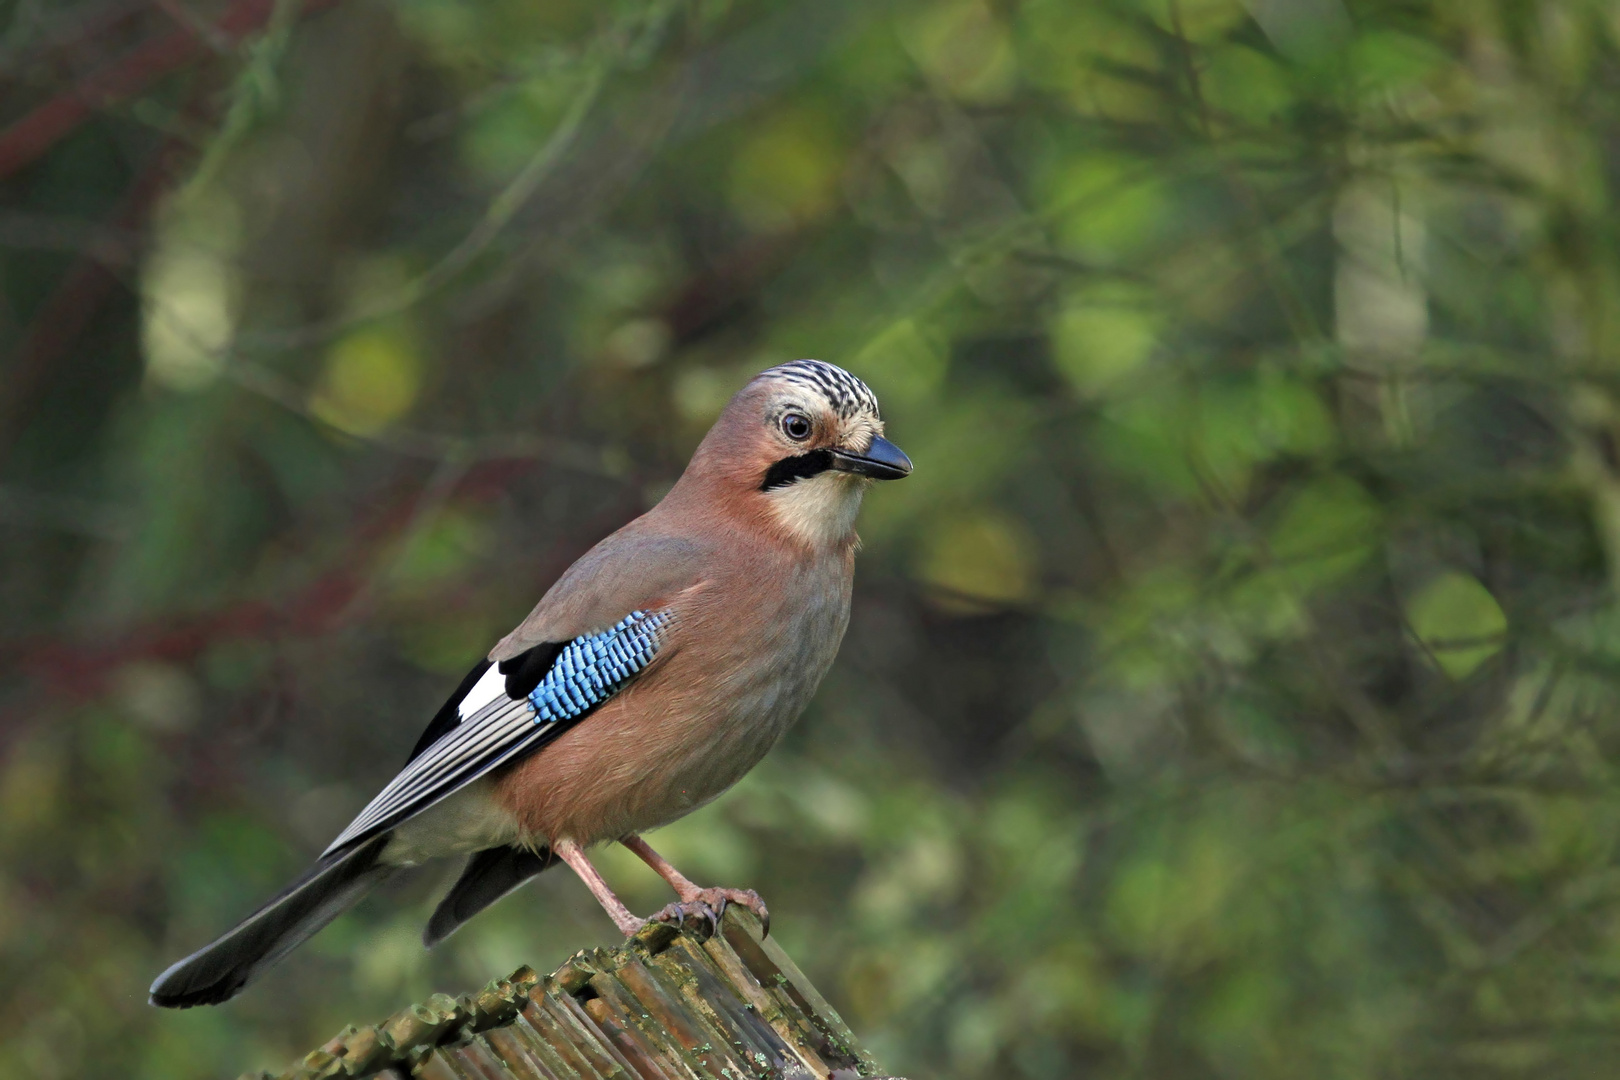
x,y
1229,694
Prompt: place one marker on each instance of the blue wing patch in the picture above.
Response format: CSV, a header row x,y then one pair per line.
x,y
590,669
586,672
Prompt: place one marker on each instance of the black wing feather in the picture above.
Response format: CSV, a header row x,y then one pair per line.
x,y
449,714
525,670
488,876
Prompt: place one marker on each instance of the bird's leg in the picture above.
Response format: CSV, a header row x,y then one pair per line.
x,y
695,900
572,854
683,886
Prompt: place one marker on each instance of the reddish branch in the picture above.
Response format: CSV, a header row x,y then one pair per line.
x,y
60,43
25,141
79,297
76,671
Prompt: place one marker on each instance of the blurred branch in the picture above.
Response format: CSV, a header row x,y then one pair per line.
x,y
216,38
109,244
1269,251
52,41
435,495
78,670
26,140
71,307
497,215
428,445
87,517
591,164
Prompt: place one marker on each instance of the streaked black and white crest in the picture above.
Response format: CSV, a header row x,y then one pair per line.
x,y
848,396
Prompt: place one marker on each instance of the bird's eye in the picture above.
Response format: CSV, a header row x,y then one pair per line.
x,y
796,426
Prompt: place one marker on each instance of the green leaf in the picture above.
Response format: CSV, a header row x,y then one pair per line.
x,y
1326,531
1458,622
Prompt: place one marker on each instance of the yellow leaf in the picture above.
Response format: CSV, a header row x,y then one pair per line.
x,y
964,50
983,556
1100,338
371,380
788,173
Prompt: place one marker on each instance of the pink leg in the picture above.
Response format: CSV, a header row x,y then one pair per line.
x,y
678,881
710,903
572,854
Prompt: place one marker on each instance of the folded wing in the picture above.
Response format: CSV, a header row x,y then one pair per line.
x,y
583,673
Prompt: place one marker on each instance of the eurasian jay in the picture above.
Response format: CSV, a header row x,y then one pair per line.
x,y
660,668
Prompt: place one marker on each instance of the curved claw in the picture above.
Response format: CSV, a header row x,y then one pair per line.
x,y
717,899
679,911
711,904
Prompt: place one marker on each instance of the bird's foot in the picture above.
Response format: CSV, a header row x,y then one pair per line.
x,y
683,911
710,905
717,899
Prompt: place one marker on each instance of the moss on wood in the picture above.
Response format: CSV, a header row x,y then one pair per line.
x,y
668,1003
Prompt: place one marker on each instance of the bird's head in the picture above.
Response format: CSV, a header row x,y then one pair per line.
x,y
802,441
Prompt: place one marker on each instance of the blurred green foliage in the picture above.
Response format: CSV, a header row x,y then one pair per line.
x,y
1229,693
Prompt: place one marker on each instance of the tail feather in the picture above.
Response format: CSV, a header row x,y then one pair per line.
x,y
489,875
218,972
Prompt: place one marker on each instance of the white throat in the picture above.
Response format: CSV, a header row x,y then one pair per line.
x,y
819,510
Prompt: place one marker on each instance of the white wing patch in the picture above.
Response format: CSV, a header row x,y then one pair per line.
x,y
484,691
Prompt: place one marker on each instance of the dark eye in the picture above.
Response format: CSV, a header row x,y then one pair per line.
x,y
796,426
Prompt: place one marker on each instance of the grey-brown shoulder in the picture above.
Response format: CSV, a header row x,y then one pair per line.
x,y
632,570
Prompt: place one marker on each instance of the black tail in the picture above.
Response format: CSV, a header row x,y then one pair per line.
x,y
219,971
489,875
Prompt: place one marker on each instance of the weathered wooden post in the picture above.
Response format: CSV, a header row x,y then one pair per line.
x,y
666,1004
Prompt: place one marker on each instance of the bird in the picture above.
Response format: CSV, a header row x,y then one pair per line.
x,y
652,675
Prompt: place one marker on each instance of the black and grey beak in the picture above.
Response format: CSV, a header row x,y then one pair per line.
x,y
882,461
